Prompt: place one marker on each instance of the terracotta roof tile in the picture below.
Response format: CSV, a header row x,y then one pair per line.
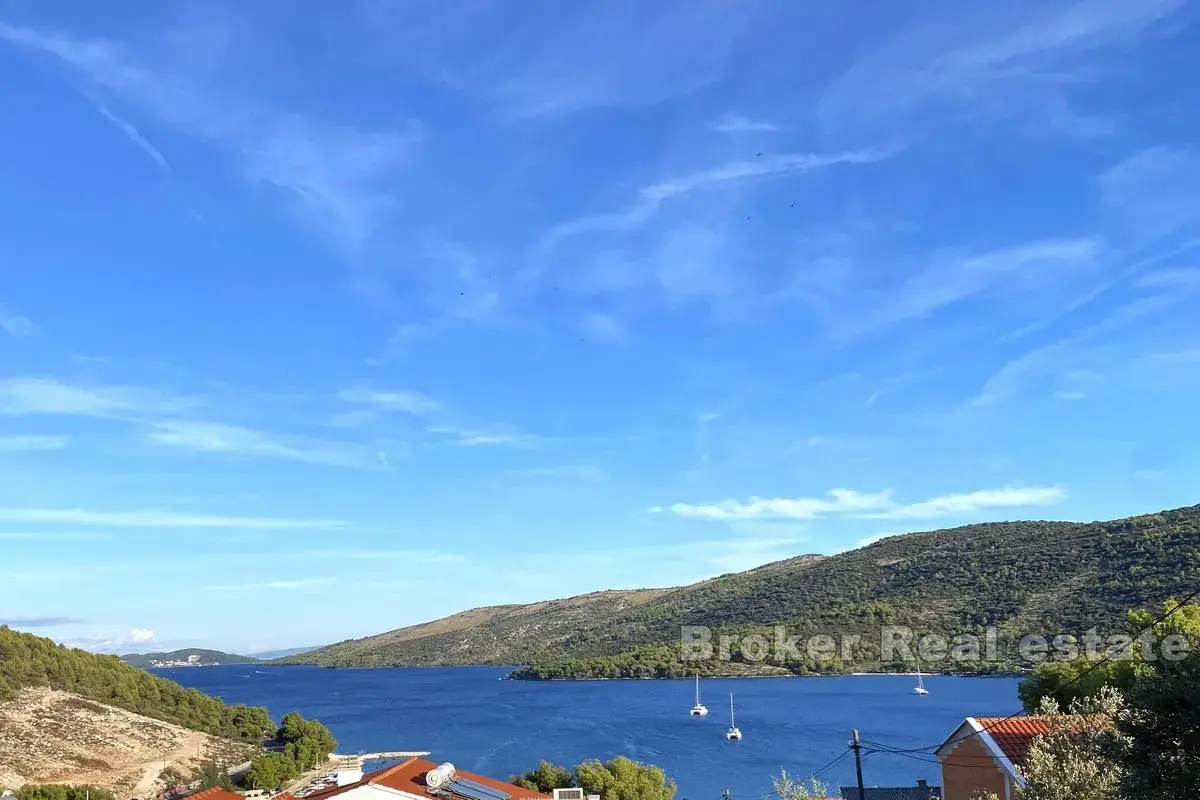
x,y
1014,736
215,793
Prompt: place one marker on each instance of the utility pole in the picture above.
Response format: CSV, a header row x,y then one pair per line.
x,y
856,746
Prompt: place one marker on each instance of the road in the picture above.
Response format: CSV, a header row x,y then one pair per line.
x,y
192,744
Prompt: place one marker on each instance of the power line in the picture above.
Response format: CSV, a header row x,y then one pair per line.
x,y
1107,658
837,760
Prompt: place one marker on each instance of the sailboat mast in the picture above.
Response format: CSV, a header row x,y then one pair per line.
x,y
731,725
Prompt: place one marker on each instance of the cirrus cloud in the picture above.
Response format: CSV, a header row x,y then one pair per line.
x,y
866,505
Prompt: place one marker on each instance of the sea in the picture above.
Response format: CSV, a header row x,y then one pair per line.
x,y
494,727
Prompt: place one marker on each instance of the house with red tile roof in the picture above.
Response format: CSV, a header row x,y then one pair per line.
x,y
406,780
986,754
215,793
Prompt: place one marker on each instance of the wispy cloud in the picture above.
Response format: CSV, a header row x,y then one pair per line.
x,y
870,540
28,396
735,123
579,472
852,305
1155,190
17,326
40,622
1114,341
415,556
402,401
276,585
964,504
483,437
559,61
153,518
880,505
992,61
652,197
334,177
835,501
26,444
602,327
44,536
126,127
686,561
214,437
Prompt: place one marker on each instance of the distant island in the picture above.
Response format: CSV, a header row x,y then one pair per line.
x,y
190,657
268,655
1014,578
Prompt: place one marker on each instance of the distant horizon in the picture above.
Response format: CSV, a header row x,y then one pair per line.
x,y
155,646
449,313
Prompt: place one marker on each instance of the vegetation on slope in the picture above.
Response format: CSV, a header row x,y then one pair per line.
x,y
62,792
205,657
28,660
512,634
307,743
617,779
1015,577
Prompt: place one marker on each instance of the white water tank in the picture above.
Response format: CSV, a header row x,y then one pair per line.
x,y
439,776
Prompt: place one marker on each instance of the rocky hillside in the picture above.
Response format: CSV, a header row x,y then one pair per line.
x,y
51,736
510,634
33,661
1021,577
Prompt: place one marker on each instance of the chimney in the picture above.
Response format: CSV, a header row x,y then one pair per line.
x,y
920,782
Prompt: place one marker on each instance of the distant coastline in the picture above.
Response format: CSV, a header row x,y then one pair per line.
x,y
514,675
742,676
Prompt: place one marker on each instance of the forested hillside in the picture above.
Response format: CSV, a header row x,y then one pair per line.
x,y
28,660
1020,577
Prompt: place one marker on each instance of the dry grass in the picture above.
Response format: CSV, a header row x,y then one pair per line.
x,y
48,736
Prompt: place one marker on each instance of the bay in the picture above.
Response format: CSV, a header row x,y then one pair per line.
x,y
467,716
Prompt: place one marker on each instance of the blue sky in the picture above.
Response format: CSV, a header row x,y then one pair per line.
x,y
321,319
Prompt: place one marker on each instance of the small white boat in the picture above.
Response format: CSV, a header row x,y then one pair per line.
x,y
734,733
920,687
699,710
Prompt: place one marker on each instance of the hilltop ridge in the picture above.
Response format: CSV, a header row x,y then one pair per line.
x,y
1032,576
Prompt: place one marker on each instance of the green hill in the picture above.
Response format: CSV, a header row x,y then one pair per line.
x,y
1018,577
28,660
203,658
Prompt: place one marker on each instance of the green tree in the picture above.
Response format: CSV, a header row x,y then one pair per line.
x,y
624,779
619,779
1068,681
62,792
210,775
788,788
1162,721
270,771
546,778
1079,759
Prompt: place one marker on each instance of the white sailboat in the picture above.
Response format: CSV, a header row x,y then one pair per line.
x,y
699,710
733,733
920,687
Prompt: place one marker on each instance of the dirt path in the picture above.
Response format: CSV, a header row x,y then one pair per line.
x,y
181,758
54,737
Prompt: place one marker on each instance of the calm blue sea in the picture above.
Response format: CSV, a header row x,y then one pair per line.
x,y
482,724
